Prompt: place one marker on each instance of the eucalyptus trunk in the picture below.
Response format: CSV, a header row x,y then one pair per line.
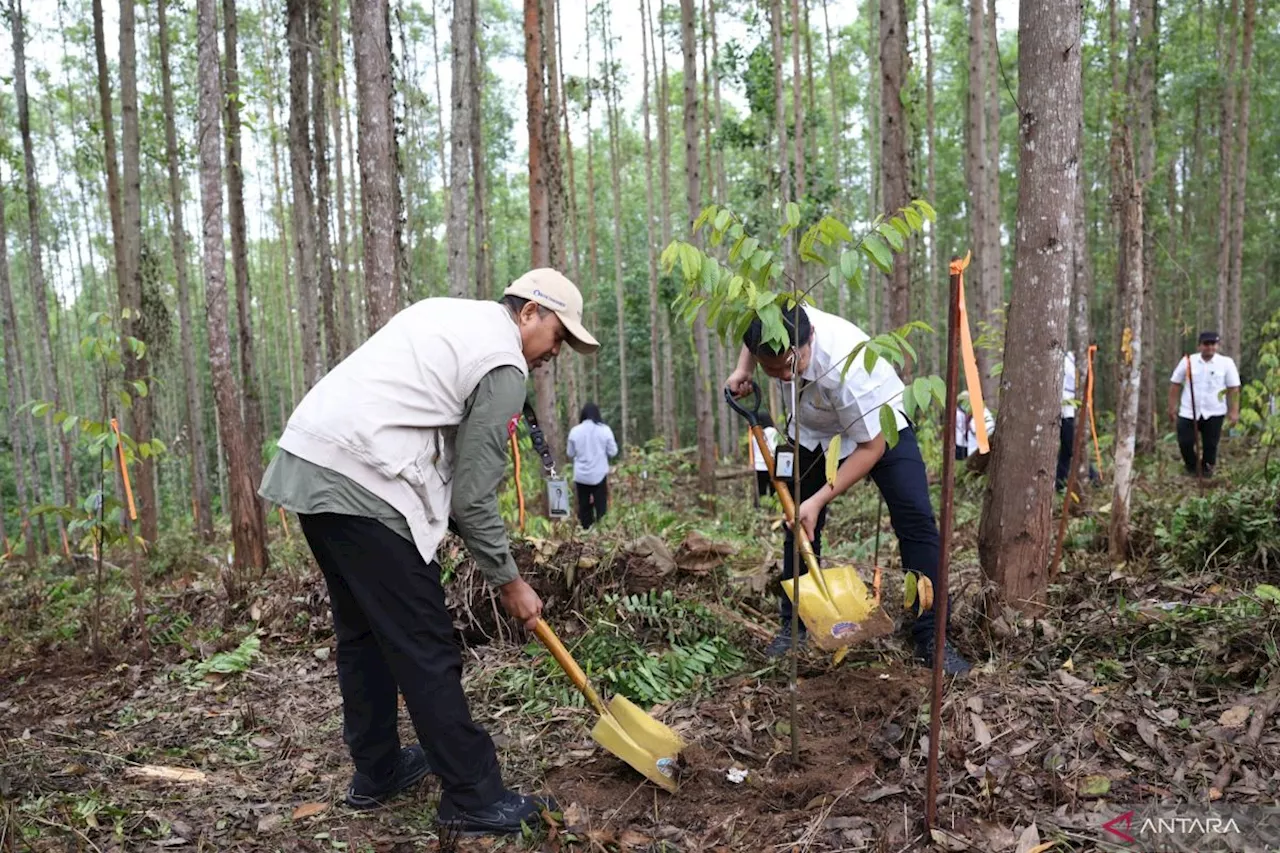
x,y
893,165
320,73
615,171
462,34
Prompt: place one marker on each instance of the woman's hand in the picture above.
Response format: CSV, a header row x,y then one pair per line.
x,y
521,602
808,514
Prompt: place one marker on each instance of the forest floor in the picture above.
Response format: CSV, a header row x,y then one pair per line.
x,y
1150,684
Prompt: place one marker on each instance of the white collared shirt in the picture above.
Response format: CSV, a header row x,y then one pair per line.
x,y
848,407
1069,386
1210,380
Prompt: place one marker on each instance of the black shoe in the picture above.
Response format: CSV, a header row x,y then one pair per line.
x,y
508,815
952,662
781,643
1208,470
364,793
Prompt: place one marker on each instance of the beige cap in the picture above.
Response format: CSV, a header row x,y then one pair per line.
x,y
553,291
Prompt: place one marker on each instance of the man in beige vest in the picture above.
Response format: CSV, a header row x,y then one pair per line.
x,y
407,433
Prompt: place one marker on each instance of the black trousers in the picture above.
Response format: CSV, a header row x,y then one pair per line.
x,y
394,631
900,476
1210,433
764,484
593,502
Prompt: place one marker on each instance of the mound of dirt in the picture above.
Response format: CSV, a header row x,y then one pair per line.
x,y
739,789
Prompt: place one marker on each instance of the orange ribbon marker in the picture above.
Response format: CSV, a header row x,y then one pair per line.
x,y
972,379
124,471
1088,401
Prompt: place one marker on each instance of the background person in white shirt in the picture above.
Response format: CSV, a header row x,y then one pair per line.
x,y
848,406
591,445
1216,383
1067,427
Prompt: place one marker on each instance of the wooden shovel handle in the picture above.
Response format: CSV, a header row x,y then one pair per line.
x,y
789,510
568,664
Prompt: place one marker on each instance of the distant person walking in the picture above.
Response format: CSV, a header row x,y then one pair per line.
x,y
1067,426
591,445
1210,393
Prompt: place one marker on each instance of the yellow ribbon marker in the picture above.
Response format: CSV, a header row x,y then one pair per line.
x,y
124,471
972,379
1088,401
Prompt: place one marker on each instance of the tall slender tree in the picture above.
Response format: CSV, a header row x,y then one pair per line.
x,y
893,164
379,212
62,487
320,147
303,207
337,109
1131,355
462,35
248,530
21,435
1226,162
252,406
615,171
479,174
934,286
1234,326
655,345
1015,530
193,400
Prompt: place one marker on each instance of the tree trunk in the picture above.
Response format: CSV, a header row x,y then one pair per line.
x,y
379,213
251,401
1081,297
320,143
655,345
539,197
192,397
484,271
1233,328
993,256
303,208
63,488
1015,530
1226,162
797,107
724,415
670,400
462,34
615,155
1130,366
551,137
21,435
346,312
693,193
441,136
894,166
780,113
837,133
248,532
977,166
937,294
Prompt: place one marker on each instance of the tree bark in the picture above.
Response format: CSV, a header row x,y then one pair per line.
x,y
320,146
193,402
1226,163
1081,297
655,345
780,113
837,132
21,435
977,167
251,400
670,400
1233,328
1143,107
693,193
1130,367
379,212
346,312
894,166
539,196
462,34
937,294
484,271
441,136
993,257
248,531
797,109
615,171
724,415
1015,531
303,208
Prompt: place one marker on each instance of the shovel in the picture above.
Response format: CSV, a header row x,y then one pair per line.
x,y
623,729
834,603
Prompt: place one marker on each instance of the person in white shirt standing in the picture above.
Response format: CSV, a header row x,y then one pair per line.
x,y
833,403
1210,394
591,445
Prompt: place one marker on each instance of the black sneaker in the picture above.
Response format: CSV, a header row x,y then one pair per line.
x,y
364,793
508,815
1208,470
952,662
781,643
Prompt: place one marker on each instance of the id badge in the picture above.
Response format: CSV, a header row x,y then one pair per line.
x,y
557,499
784,460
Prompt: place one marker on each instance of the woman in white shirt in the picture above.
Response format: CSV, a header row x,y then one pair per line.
x,y
591,445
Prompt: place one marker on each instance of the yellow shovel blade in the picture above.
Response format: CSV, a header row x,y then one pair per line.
x,y
849,616
640,740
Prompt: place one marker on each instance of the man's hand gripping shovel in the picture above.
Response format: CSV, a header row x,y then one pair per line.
x,y
836,606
